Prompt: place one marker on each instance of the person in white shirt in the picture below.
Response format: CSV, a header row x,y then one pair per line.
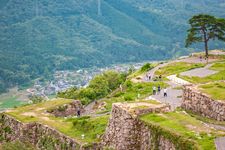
x,y
165,92
154,90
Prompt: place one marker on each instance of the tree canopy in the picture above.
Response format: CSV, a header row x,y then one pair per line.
x,y
205,27
99,86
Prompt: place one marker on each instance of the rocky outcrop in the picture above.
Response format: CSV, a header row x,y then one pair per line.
x,y
200,103
67,109
42,136
126,132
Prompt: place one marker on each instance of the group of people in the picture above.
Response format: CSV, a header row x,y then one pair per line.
x,y
157,78
158,90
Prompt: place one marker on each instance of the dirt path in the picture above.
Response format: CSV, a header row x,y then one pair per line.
x,y
88,110
188,60
174,96
220,143
199,72
174,91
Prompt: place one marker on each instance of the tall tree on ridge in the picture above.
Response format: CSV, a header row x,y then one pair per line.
x,y
203,28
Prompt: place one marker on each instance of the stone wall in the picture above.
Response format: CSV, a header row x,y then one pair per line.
x,y
67,109
200,103
42,136
126,132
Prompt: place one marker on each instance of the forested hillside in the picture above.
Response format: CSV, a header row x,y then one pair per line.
x,y
38,37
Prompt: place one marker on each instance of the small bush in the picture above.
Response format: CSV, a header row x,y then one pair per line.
x,y
128,98
128,84
37,99
118,94
85,101
62,108
146,67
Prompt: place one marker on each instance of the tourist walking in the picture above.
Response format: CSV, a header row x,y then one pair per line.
x,y
200,58
78,113
160,77
165,92
159,89
154,90
149,77
121,88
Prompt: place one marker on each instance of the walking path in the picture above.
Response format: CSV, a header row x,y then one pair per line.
x,y
188,60
88,110
176,80
174,96
152,72
174,91
199,72
220,143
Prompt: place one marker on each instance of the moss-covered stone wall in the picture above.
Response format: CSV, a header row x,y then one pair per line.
x,y
41,136
127,132
200,103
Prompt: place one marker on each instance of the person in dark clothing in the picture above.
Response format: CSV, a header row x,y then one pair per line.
x,y
160,77
159,89
165,92
78,113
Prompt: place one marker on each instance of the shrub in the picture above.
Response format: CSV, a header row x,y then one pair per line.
x,y
88,93
146,67
118,94
62,108
99,87
128,98
37,99
128,84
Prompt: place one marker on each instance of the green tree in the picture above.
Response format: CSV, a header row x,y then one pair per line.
x,y
113,78
203,28
100,86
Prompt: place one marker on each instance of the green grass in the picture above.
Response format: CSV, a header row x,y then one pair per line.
x,y
92,128
215,90
205,119
144,69
131,92
176,68
36,110
148,101
183,124
10,102
219,66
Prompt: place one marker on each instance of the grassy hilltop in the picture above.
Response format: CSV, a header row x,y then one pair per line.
x,y
192,130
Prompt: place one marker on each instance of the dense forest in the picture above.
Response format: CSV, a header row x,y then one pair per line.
x,y
40,36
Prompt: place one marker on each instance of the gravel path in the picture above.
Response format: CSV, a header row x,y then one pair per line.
x,y
152,72
188,60
174,96
88,110
199,72
176,80
220,143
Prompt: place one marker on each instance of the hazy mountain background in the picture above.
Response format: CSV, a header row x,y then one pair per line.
x,y
38,37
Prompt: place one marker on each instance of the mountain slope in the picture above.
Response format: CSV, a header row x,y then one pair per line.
x,y
38,37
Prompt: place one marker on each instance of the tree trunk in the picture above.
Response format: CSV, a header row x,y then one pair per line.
x,y
206,46
206,51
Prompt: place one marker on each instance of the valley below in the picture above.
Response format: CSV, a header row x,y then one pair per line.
x,y
62,80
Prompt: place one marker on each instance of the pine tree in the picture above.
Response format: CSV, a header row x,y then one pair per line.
x,y
203,28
